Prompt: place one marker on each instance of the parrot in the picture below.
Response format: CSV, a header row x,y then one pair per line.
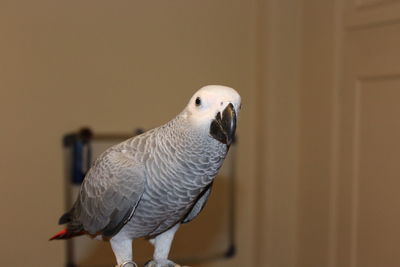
x,y
150,184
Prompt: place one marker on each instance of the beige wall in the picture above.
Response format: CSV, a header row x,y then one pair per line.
x,y
319,86
113,66
278,104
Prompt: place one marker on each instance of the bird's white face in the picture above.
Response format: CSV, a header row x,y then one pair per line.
x,y
214,106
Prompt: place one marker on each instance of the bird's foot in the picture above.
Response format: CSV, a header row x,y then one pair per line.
x,y
161,263
127,264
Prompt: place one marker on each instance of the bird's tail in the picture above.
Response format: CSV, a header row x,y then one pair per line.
x,y
66,234
73,228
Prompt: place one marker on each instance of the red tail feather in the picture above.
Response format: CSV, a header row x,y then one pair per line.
x,y
65,234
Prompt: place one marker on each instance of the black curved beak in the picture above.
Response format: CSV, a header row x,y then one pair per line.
x,y
223,127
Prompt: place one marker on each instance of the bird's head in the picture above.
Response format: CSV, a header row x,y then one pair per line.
x,y
214,108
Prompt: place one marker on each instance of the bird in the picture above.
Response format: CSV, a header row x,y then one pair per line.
x,y
150,184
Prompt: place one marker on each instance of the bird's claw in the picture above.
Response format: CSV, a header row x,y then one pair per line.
x,y
161,263
128,264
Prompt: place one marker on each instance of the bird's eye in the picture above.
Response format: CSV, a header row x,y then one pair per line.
x,y
198,101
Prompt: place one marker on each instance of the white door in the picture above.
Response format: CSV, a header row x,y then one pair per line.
x,y
368,200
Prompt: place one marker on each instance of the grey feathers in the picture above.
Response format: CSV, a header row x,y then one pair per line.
x,y
146,184
199,205
110,192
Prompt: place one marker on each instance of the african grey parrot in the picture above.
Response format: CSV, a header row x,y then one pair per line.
x,y
148,185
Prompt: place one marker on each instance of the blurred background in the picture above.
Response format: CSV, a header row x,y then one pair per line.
x,y
317,157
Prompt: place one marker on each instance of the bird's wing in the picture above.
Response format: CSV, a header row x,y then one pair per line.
x,y
110,193
199,205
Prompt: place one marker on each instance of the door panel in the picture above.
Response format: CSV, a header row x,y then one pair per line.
x,y
370,13
377,212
